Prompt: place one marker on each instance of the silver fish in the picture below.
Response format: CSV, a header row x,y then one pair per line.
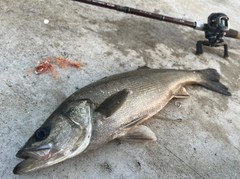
x,y
108,109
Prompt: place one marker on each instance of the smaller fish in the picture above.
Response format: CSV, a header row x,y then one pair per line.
x,y
111,108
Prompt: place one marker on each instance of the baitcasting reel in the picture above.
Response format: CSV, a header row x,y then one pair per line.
x,y
217,26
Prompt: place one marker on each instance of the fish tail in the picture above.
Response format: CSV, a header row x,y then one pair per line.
x,y
210,80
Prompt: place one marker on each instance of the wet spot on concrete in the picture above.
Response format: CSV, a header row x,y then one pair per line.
x,y
232,73
141,35
218,102
217,131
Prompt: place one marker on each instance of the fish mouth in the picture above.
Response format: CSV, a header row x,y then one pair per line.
x,y
23,166
33,159
38,152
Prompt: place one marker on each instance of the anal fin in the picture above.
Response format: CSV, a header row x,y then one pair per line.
x,y
138,134
182,93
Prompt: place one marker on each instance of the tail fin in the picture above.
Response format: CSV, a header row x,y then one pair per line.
x,y
211,81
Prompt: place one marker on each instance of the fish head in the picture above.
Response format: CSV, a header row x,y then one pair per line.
x,y
65,134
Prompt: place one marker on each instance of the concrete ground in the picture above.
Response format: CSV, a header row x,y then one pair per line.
x,y
198,140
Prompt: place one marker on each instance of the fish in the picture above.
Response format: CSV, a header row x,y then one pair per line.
x,y
112,108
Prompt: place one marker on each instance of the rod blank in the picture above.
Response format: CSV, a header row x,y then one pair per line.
x,y
196,25
140,12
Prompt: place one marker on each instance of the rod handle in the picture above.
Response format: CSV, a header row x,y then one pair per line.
x,y
233,34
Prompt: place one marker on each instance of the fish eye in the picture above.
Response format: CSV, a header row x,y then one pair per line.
x,y
42,133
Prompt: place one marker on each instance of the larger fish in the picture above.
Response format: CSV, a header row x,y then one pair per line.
x,y
110,108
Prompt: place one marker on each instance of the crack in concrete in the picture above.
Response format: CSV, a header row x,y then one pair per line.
x,y
184,163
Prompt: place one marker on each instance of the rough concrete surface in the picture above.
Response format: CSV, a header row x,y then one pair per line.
x,y
198,140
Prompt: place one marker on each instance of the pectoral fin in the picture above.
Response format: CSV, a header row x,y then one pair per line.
x,y
138,134
182,93
112,103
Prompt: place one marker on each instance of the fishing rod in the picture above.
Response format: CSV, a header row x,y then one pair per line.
x,y
217,27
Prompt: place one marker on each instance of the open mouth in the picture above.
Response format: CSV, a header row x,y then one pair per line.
x,y
41,152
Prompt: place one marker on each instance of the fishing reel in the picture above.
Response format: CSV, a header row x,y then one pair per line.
x,y
217,26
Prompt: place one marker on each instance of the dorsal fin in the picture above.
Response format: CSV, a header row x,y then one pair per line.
x,y
143,67
112,103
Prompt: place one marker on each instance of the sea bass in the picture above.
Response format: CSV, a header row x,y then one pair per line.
x,y
111,108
